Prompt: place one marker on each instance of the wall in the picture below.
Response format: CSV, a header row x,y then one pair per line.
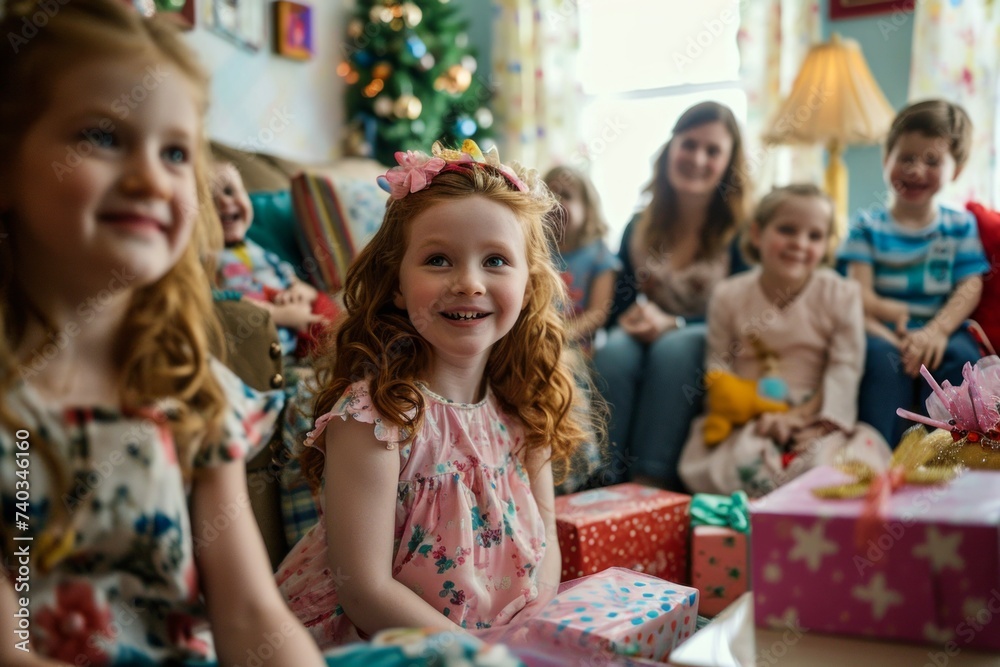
x,y
264,102
886,41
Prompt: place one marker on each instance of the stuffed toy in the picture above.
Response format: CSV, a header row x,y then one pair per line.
x,y
987,313
732,401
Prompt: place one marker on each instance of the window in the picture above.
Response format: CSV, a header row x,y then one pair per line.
x,y
642,63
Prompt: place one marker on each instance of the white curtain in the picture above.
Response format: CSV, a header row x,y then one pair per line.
x,y
537,94
774,37
956,46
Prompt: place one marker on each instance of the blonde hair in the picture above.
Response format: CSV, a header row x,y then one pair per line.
x,y
768,207
595,226
527,369
658,221
164,342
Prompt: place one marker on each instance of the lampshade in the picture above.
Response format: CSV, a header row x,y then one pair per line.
x,y
834,101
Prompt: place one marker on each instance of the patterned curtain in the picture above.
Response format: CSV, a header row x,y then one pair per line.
x,y
956,46
774,37
537,97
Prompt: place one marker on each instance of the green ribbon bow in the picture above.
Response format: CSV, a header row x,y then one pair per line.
x,y
708,509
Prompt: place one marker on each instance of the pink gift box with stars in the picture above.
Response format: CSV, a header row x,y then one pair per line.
x,y
930,573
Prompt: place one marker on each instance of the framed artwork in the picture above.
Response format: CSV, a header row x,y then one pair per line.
x,y
293,30
239,20
845,9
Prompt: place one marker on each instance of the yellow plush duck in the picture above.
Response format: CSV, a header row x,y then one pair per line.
x,y
732,401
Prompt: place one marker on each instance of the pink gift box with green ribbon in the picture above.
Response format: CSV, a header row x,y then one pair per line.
x,y
930,573
719,549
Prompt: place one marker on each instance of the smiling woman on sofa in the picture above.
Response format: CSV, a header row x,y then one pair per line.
x,y
673,253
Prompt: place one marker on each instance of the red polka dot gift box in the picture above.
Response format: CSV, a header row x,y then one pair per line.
x,y
927,569
627,525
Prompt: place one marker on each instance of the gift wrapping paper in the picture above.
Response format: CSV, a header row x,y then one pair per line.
x,y
627,525
930,574
718,566
619,611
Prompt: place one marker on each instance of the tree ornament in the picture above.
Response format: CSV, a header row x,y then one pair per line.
x,y
382,70
484,117
407,106
383,106
381,14
356,145
416,47
373,88
355,28
465,126
455,80
412,14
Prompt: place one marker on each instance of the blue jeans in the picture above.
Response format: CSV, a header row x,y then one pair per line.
x,y
885,387
654,392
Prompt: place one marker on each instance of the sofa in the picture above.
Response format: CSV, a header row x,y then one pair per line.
x,y
315,217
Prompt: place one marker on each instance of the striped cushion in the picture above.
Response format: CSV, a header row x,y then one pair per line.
x,y
337,215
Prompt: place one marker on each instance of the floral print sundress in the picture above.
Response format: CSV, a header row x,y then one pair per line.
x,y
124,590
468,533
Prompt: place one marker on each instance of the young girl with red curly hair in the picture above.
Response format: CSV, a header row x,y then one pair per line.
x,y
447,399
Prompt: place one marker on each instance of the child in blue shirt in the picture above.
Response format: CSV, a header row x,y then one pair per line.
x,y
920,264
588,267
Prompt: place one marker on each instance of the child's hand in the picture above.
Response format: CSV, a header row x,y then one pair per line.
x,y
924,346
779,426
896,314
299,292
804,437
876,328
297,315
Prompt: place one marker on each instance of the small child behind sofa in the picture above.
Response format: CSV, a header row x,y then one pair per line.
x,y
791,320
299,310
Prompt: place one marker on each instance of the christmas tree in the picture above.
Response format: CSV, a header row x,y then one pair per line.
x,y
411,78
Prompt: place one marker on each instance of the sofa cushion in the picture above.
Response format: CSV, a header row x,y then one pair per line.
x,y
258,170
987,313
338,211
276,228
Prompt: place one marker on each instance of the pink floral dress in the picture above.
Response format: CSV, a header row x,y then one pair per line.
x,y
124,590
468,533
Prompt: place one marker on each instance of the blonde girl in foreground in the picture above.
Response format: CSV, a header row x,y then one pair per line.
x,y
140,530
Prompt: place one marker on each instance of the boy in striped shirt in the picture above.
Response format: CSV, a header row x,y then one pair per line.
x,y
920,265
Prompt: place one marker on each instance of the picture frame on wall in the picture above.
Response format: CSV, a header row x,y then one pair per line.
x,y
845,9
241,21
293,30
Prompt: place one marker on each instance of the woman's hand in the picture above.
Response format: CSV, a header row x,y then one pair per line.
x,y
645,321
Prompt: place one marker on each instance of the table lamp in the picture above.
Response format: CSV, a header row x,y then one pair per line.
x,y
834,101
